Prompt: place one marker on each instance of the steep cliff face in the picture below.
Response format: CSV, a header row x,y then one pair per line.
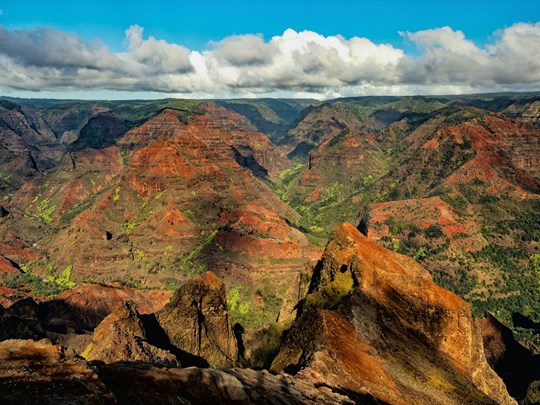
x,y
374,322
99,132
318,125
462,197
27,146
21,321
196,321
190,169
270,116
346,161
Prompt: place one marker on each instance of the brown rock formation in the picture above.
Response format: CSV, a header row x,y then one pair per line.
x,y
374,322
196,321
39,372
182,192
144,384
27,145
121,337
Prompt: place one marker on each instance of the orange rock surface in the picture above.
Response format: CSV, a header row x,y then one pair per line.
x,y
390,331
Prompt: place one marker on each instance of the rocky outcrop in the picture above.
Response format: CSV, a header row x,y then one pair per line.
x,y
39,372
196,321
145,384
375,323
165,212
121,337
27,145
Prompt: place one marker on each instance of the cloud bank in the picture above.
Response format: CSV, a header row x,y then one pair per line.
x,y
294,63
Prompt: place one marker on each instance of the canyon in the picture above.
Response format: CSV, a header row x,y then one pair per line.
x,y
357,250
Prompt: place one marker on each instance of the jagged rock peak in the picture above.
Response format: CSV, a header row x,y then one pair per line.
x,y
196,321
375,323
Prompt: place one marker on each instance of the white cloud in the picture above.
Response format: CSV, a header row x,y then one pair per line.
x,y
294,63
157,56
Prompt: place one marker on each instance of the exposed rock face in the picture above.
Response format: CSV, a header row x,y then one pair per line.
x,y
121,337
319,124
27,146
196,321
350,159
374,322
177,194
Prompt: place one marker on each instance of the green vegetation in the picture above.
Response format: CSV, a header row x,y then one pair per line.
x,y
142,215
37,285
268,347
5,177
44,211
64,280
80,206
287,179
331,294
252,309
187,265
457,202
116,195
535,264
394,226
434,231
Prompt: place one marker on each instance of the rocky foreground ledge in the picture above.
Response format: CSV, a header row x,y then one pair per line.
x,y
373,329
39,372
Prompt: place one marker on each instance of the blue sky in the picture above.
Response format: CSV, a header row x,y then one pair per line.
x,y
194,23
191,48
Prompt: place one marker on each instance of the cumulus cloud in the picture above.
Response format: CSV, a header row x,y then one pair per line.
x,y
301,61
244,50
157,55
294,63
